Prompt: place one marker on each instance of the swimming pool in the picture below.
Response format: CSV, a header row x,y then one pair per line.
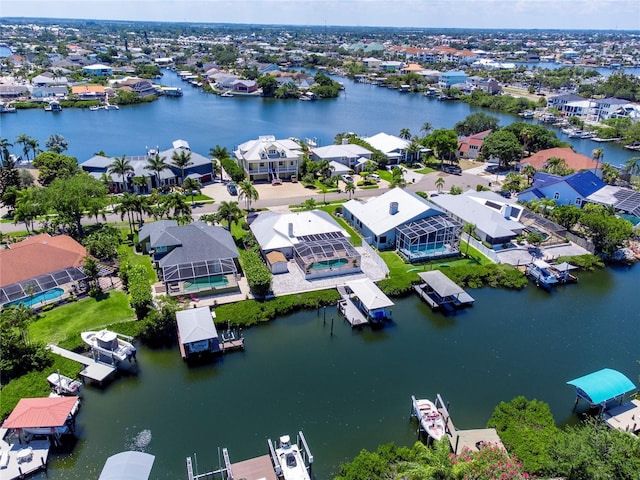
x,y
216,281
324,264
39,297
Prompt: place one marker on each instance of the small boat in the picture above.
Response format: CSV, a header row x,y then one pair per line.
x,y
54,106
94,108
7,108
109,106
576,134
110,344
541,272
429,417
291,461
588,135
226,93
528,114
633,146
64,385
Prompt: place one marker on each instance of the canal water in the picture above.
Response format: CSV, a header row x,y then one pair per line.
x,y
206,120
352,390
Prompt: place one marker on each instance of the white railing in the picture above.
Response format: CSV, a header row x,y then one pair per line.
x,y
374,256
487,252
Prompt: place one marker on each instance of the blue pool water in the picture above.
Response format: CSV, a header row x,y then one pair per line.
x,y
40,297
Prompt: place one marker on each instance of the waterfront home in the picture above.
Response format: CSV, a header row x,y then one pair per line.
x,y
268,159
348,155
559,101
470,147
395,148
141,86
191,258
13,91
200,169
48,79
402,220
448,79
58,267
98,70
88,92
244,86
574,161
571,189
312,239
497,219
197,332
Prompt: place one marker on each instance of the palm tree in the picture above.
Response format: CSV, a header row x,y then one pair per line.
x,y
248,192
426,128
27,207
122,167
469,229
33,146
127,206
529,171
230,212
181,159
397,178
556,166
527,136
350,188
597,154
219,152
157,164
57,143
632,166
180,206
4,146
23,139
440,184
192,186
405,133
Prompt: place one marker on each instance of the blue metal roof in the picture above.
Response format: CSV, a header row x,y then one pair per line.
x,y
602,386
542,179
585,182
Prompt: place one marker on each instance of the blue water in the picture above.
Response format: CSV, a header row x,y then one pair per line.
x,y
4,51
40,297
206,120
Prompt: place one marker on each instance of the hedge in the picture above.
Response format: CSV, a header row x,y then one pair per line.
x,y
233,169
258,275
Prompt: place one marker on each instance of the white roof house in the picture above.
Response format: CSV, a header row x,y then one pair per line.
x,y
370,296
347,154
276,231
379,217
496,218
395,148
268,158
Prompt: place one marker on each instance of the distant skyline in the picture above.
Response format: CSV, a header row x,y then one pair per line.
x,y
500,14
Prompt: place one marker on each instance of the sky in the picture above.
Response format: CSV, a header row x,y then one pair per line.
x,y
518,14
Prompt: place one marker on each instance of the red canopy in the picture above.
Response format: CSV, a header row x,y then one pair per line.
x,y
41,412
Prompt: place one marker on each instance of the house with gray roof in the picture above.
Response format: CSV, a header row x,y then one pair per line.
x,y
346,154
191,258
402,220
269,159
497,219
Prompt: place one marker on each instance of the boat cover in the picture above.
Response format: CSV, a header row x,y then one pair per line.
x,y
127,466
602,386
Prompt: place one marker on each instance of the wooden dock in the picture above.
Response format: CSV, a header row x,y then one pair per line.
x,y
352,314
625,417
258,468
21,465
474,439
94,370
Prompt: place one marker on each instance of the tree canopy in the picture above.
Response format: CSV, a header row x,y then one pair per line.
x,y
52,165
503,145
476,123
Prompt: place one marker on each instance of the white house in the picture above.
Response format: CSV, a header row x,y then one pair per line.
x,y
395,148
347,154
268,159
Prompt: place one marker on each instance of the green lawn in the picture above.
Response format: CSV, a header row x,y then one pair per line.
x,y
126,253
356,239
426,170
71,319
384,174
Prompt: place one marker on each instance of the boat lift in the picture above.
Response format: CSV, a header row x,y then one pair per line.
x,y
305,451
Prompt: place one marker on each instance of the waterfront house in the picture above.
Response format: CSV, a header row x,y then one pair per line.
x,y
559,101
497,219
58,266
267,159
571,189
399,219
191,258
395,148
312,239
98,70
574,161
89,92
348,155
48,79
470,147
448,79
141,86
244,86
197,332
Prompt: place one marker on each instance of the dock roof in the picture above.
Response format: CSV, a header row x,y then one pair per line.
x,y
369,294
601,386
129,465
195,325
443,285
41,412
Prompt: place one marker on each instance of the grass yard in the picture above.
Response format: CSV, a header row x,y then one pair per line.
x,y
89,314
356,239
126,253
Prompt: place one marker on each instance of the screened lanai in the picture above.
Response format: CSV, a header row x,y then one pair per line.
x,y
36,288
331,255
191,277
430,237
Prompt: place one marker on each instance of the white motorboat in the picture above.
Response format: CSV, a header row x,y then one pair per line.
x,y
541,273
64,385
291,461
429,417
110,344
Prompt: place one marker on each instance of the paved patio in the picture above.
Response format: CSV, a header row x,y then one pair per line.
x,y
522,255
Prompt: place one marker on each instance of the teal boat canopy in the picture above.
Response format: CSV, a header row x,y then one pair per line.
x,y
602,386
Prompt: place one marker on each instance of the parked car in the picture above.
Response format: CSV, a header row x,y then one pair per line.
x,y
375,176
232,189
492,169
347,178
453,169
505,193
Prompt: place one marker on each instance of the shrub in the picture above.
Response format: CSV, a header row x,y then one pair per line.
x,y
139,291
585,262
233,169
258,275
493,275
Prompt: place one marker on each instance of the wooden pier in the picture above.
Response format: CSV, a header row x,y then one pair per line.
x,y
474,439
442,293
94,370
351,313
625,417
258,468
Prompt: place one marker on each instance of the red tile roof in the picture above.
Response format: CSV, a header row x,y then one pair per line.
x,y
575,161
40,412
39,255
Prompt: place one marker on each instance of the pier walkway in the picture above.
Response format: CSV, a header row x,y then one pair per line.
x,y
94,370
473,439
625,417
23,459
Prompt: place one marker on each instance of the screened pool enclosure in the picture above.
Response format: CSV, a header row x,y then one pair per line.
x,y
430,237
191,277
325,255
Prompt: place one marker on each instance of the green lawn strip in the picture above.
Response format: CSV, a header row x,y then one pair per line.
x,y
251,312
67,321
356,240
426,170
126,253
384,175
